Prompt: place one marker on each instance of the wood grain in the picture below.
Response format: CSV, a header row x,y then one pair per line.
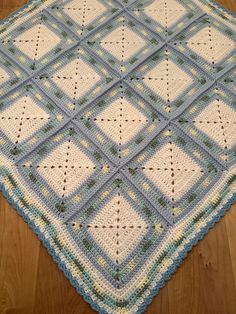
x,y
31,283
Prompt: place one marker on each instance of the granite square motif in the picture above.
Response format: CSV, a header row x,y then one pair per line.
x,y
123,43
167,80
165,17
75,79
121,122
81,16
37,41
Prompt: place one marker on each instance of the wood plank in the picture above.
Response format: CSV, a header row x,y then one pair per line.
x,y
230,220
59,296
228,4
31,283
19,251
204,277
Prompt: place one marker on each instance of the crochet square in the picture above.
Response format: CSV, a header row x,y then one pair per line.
x,y
210,120
173,172
75,79
166,80
66,170
165,17
37,41
27,118
209,43
123,43
120,121
121,226
81,16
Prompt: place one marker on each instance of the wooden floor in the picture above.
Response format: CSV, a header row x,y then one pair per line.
x,y
30,283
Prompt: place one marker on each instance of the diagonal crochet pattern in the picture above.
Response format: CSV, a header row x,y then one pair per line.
x,y
117,136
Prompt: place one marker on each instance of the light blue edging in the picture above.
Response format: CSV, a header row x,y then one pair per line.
x,y
168,274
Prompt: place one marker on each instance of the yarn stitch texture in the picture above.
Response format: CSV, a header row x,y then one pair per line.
x,y
117,136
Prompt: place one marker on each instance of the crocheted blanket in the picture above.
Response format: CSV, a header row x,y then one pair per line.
x,y
118,136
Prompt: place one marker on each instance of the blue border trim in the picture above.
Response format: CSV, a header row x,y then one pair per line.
x,y
168,274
